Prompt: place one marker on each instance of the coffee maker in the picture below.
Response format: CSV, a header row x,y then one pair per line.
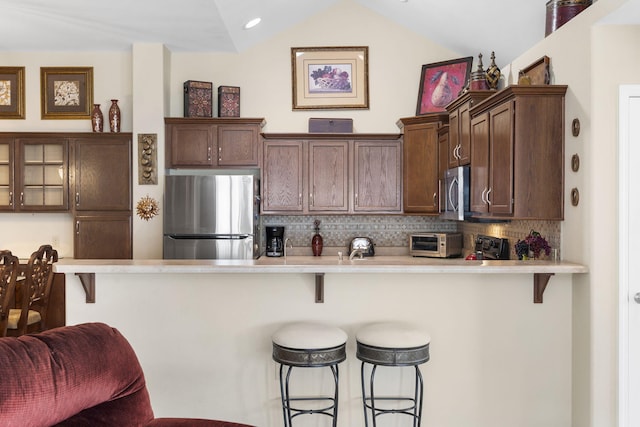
x,y
275,240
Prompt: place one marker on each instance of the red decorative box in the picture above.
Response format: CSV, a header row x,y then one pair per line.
x,y
198,99
228,101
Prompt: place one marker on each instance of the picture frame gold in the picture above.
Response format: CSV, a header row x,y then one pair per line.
x,y
537,73
12,101
66,92
329,78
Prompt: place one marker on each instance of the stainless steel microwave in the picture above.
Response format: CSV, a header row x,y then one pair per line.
x,y
436,245
456,194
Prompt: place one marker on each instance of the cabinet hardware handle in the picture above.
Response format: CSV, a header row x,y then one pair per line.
x,y
78,199
439,198
300,198
435,194
208,154
488,200
484,190
311,198
219,153
78,227
458,152
10,198
356,199
21,198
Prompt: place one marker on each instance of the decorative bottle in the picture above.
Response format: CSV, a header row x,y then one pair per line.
x,y
493,73
97,120
316,241
114,116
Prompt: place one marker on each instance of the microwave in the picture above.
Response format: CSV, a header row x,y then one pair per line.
x,y
435,245
457,195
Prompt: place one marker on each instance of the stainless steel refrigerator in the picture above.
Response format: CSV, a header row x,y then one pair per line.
x,y
211,217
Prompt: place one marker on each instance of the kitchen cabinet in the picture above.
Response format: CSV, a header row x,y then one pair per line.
x,y
517,157
33,173
443,163
459,149
212,143
331,173
377,176
421,167
101,182
328,176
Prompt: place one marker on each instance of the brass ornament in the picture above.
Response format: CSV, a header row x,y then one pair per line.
x,y
575,163
575,197
147,208
575,127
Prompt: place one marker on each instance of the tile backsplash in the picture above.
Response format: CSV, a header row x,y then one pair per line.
x,y
394,230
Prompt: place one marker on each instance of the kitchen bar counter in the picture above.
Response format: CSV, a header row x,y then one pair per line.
x,y
542,270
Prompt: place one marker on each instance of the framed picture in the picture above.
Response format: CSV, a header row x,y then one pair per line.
x,y
66,92
330,77
536,73
441,83
11,92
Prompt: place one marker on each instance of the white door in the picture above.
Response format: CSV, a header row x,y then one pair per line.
x,y
629,255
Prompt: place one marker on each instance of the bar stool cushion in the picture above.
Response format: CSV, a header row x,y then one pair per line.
x,y
392,344
309,336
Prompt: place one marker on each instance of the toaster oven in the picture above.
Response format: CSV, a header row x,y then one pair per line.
x,y
436,245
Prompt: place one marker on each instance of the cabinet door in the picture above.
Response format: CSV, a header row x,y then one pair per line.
x,y
329,176
42,175
102,173
282,176
479,163
6,174
237,145
190,145
420,168
454,138
378,176
443,162
464,135
500,196
103,236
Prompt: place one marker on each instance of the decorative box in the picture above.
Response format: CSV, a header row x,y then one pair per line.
x,y
228,101
330,125
198,99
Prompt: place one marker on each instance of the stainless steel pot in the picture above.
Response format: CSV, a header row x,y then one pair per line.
x,y
362,244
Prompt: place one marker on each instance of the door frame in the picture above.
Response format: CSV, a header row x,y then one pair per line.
x,y
626,92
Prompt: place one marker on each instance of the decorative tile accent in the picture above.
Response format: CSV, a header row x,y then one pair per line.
x,y
394,230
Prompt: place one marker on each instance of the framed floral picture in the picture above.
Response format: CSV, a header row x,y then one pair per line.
x,y
330,77
66,92
12,93
441,83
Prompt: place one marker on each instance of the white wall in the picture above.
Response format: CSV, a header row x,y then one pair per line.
x,y
204,342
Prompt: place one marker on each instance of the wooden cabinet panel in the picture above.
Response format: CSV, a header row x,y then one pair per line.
x,y
103,236
102,173
421,164
212,143
328,176
282,176
238,145
378,176
190,145
517,163
7,189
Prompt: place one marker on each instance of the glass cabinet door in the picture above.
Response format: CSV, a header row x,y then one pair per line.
x,y
6,174
43,174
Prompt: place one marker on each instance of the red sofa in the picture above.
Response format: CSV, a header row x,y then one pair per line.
x,y
84,375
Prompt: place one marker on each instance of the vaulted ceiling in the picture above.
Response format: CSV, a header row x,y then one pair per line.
x,y
508,27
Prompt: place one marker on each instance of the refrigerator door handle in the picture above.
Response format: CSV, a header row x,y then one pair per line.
x,y
209,236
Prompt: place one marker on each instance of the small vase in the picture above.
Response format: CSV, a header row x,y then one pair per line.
x,y
114,116
316,245
97,120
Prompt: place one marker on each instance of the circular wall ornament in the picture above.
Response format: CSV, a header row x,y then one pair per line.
x,y
575,163
575,197
147,208
575,127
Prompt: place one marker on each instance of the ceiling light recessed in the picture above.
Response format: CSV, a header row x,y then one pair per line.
x,y
252,23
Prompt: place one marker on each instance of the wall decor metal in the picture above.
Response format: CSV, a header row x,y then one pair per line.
x,y
575,127
575,163
147,158
147,208
330,77
575,196
66,92
12,93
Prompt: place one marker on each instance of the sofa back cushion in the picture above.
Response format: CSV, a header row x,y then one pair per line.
x,y
76,375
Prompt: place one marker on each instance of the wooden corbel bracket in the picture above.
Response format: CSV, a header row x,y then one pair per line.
x,y
540,281
319,287
88,281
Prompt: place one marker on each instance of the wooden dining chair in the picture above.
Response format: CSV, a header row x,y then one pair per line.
x,y
8,273
33,294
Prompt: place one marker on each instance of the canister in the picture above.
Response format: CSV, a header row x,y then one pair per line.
x,y
559,12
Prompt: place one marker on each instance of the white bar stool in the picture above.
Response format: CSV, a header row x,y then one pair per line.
x,y
392,344
308,345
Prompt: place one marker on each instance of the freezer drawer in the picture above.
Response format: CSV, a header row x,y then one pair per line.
x,y
208,248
